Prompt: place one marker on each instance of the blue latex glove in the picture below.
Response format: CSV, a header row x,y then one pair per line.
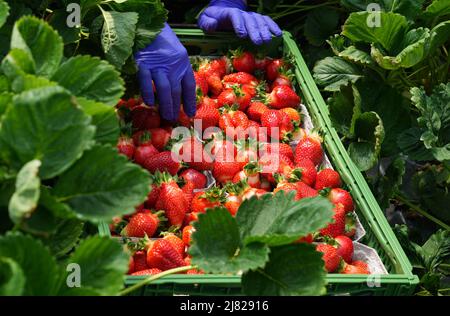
x,y
166,62
227,14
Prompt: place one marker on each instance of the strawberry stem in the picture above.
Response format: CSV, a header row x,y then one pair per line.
x,y
148,280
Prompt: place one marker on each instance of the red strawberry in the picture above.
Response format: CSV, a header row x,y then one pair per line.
x,y
208,199
304,191
176,242
274,68
249,174
219,66
140,261
282,80
261,62
162,255
250,192
188,190
307,239
141,224
234,123
327,178
183,119
201,84
336,228
282,97
240,78
255,110
215,85
272,163
247,152
208,101
340,196
144,117
309,147
330,256
279,148
163,161
208,114
130,265
159,138
173,202
186,234
286,187
197,178
126,147
232,203
277,123
234,95
344,248
152,271
304,171
357,267
293,114
144,152
189,218
243,61
193,153
221,149
224,170
153,196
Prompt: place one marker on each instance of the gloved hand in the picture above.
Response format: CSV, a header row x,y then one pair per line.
x,y
166,62
226,14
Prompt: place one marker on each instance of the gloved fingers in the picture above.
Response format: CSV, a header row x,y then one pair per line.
x,y
176,99
264,31
189,93
273,27
207,23
252,29
164,93
237,20
145,82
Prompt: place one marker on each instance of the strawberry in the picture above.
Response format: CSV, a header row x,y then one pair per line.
x,y
163,161
304,191
201,85
186,234
254,131
197,178
208,114
176,242
247,151
208,199
357,267
277,123
274,68
261,62
187,261
304,171
350,224
282,80
183,119
250,174
144,117
153,196
232,203
329,256
310,148
213,71
293,114
144,152
215,85
250,192
193,153
234,195
173,202
297,134
279,148
327,178
344,248
306,239
126,147
221,149
188,190
336,228
224,170
130,265
207,101
243,61
162,255
234,123
219,66
141,224
255,110
340,196
240,78
140,260
152,271
272,163
189,218
234,95
282,97
286,187
159,138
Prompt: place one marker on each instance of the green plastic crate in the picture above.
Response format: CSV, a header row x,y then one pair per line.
x,y
379,235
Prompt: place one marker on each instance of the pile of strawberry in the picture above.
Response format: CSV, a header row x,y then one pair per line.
x,y
248,111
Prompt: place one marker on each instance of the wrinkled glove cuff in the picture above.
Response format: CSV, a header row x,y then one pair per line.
x,y
238,4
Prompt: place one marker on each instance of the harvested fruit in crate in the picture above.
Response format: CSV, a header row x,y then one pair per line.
x,y
246,140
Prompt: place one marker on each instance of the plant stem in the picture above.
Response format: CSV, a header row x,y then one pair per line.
x,y
136,286
417,209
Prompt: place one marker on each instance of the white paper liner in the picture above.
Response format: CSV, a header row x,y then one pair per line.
x,y
210,182
370,256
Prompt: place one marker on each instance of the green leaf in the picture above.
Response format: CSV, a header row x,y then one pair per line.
x,y
58,21
25,198
439,35
103,265
65,237
437,9
392,28
436,250
42,43
338,43
12,279
296,269
92,78
217,247
55,130
5,102
411,51
28,82
357,56
334,72
369,132
320,24
41,272
105,120
4,12
118,34
102,184
409,142
279,219
17,62
412,250
409,8
345,107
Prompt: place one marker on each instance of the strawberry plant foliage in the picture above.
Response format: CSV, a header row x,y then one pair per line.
x,y
259,244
